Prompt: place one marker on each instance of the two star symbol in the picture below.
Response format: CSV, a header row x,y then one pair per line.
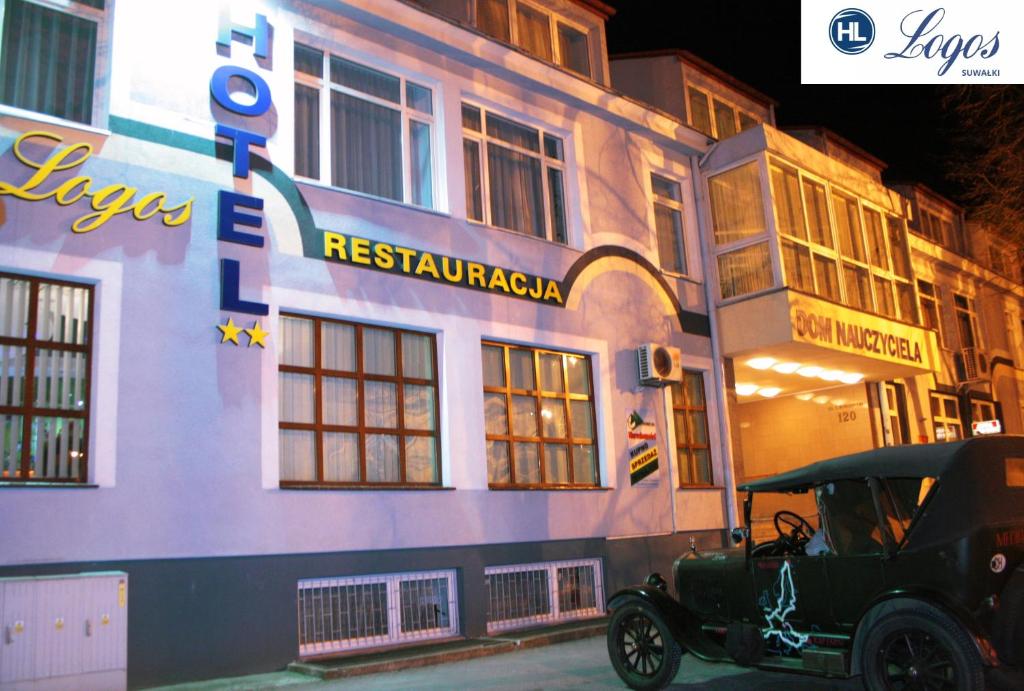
x,y
229,332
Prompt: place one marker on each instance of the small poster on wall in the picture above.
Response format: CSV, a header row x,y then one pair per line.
x,y
642,438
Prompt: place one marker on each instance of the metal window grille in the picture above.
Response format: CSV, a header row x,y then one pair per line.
x,y
341,614
521,595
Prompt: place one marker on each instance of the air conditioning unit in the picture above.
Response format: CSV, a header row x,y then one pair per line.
x,y
973,366
659,365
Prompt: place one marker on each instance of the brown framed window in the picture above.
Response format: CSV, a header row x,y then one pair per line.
x,y
358,404
45,356
539,418
690,411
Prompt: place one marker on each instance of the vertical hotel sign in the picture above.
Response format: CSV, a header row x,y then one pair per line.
x,y
234,209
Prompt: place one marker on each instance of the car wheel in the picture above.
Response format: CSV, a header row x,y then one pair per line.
x,y
920,650
642,649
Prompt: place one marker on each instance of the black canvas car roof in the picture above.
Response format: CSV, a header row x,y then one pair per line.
x,y
914,460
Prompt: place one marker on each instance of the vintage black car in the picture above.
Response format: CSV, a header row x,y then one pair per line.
x,y
913,579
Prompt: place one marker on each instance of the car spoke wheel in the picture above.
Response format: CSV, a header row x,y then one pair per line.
x,y
641,648
920,650
913,660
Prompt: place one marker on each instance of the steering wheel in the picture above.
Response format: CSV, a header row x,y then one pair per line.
x,y
799,528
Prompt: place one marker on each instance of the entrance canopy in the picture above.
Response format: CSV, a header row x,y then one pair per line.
x,y
787,342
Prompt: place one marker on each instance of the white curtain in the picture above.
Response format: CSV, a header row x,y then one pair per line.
x,y
516,190
340,401
420,461
378,351
381,404
737,211
417,357
556,462
296,342
298,455
367,146
341,457
382,458
338,347
419,407
745,271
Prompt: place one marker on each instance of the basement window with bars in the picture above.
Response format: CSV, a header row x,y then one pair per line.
x,y
354,612
521,595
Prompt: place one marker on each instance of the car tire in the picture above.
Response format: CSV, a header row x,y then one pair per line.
x,y
920,649
641,647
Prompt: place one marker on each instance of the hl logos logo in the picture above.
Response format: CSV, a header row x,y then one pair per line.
x,y
852,31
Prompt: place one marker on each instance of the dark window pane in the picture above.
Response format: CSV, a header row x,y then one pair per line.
x,y
307,131
474,186
533,30
471,117
369,81
367,140
513,133
309,60
516,194
725,120
553,147
700,114
557,202
492,18
419,98
572,46
48,61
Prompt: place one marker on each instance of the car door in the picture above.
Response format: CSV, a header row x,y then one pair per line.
x,y
792,596
855,568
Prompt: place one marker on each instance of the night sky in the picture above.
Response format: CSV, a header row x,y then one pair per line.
x,y
758,41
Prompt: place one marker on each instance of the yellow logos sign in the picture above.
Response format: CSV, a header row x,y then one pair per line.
x,y
106,202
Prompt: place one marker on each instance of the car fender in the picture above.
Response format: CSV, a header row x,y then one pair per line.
x,y
684,625
917,599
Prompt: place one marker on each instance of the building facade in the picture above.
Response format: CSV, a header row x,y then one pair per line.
x,y
320,320
332,312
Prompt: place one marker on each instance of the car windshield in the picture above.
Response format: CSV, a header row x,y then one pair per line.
x,y
902,498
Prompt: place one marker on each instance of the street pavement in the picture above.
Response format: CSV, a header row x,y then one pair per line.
x,y
579,664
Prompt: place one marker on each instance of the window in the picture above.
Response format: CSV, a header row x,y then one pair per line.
x,y
539,418
374,129
537,32
966,321
522,595
896,410
514,175
358,404
946,422
744,271
700,113
45,354
982,410
668,223
725,120
689,410
737,211
49,58
809,261
929,301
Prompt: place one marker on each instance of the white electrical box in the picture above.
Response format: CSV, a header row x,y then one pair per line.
x,y
64,632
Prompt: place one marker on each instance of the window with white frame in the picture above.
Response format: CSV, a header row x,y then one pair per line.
x,y
946,422
715,117
515,175
668,223
537,31
739,231
48,56
966,321
874,260
362,129
358,404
